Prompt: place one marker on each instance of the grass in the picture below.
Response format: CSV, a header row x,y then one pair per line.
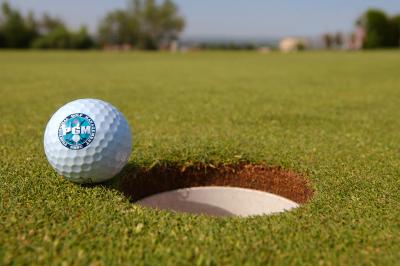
x,y
333,117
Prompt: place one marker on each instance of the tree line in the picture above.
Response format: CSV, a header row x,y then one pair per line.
x,y
333,41
378,30
144,24
150,24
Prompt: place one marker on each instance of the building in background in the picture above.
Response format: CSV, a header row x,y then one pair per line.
x,y
290,44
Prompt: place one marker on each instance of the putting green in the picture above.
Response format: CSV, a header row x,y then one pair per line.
x,y
332,117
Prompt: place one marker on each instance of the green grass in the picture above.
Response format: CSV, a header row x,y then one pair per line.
x,y
333,117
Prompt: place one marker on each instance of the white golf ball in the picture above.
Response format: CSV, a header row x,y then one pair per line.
x,y
87,141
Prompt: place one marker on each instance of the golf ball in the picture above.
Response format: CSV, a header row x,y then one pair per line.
x,y
87,141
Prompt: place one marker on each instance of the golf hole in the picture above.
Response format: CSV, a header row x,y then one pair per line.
x,y
219,201
229,190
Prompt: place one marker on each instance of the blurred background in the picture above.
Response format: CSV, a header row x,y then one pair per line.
x,y
184,26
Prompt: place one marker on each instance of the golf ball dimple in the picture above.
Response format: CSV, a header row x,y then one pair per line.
x,y
87,141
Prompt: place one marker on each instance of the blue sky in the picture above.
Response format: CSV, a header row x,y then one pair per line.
x,y
230,18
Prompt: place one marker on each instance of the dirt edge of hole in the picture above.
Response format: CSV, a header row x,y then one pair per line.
x,y
140,182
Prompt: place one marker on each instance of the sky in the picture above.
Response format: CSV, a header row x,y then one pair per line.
x,y
229,18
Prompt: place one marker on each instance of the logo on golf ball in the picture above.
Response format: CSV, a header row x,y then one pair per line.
x,y
76,131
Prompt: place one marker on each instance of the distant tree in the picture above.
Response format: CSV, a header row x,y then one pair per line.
x,y
56,35
395,21
378,29
15,30
81,39
59,38
338,40
160,24
62,38
49,23
119,28
2,40
328,40
145,24
249,46
2,36
32,24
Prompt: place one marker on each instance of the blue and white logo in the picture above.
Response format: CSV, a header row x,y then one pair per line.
x,y
76,131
